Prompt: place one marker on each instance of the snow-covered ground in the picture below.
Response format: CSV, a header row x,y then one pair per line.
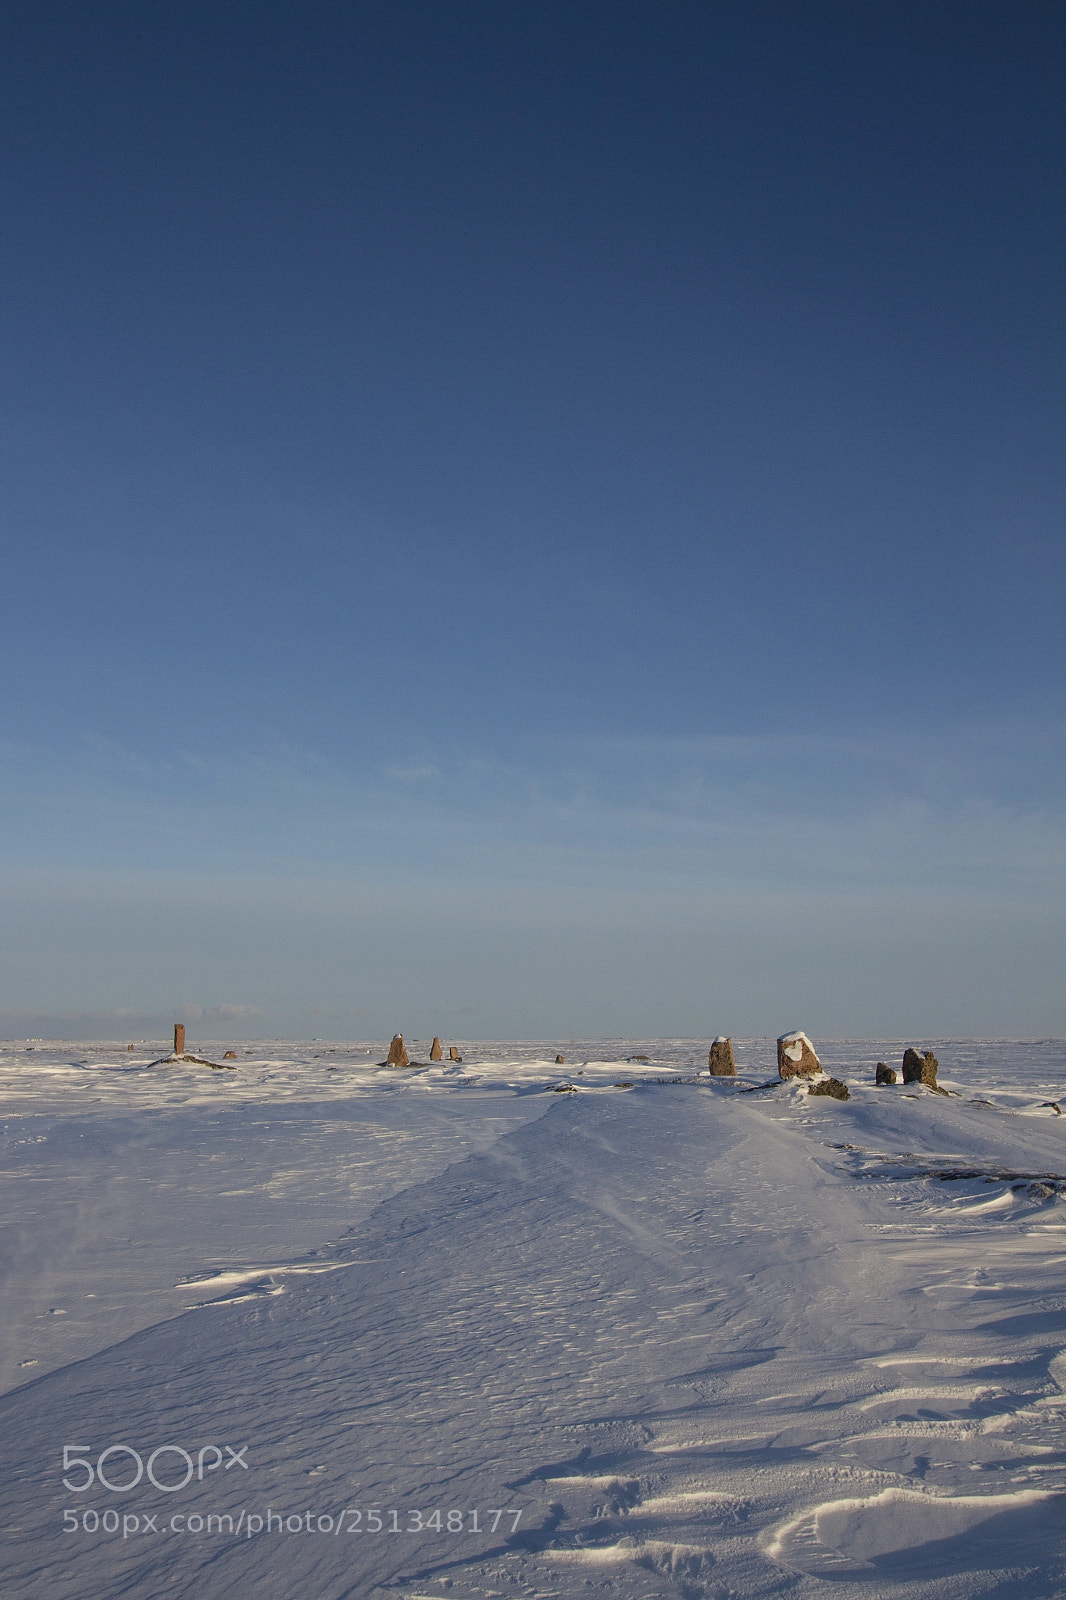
x,y
446,1332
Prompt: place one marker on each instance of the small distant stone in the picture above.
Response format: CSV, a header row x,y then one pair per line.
x,y
231,1055
796,1057
559,1061
562,1088
638,1058
435,1051
129,1047
398,1056
453,1054
623,1086
1051,1105
830,1086
885,1074
720,1059
919,1068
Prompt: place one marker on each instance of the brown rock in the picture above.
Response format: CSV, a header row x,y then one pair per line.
x,y
720,1059
558,1061
453,1054
796,1057
884,1074
919,1068
830,1086
179,1038
435,1051
231,1055
398,1056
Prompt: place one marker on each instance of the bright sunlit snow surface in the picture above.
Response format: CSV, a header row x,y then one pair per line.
x,y
708,1338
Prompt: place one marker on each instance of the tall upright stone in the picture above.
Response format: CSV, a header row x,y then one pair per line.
x,y
919,1068
398,1056
435,1051
796,1057
179,1038
453,1054
720,1058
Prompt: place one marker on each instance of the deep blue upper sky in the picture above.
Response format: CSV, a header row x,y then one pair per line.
x,y
573,447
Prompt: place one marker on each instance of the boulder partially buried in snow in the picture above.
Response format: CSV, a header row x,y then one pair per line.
x,y
830,1086
884,1074
398,1056
189,1060
720,1059
919,1068
796,1057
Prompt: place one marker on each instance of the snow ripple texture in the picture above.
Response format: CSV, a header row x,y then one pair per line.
x,y
711,1342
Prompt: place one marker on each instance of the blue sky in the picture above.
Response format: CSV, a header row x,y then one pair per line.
x,y
533,520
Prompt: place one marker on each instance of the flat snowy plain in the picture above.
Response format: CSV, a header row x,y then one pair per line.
x,y
445,1332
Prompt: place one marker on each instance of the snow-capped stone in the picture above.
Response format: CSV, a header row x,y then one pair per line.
x,y
720,1058
919,1068
796,1056
398,1056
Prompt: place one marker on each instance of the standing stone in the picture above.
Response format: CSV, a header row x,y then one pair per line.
x,y
453,1054
558,1061
796,1057
720,1059
179,1038
435,1051
885,1074
398,1056
919,1068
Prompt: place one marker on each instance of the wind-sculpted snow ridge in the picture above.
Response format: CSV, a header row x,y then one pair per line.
x,y
666,1339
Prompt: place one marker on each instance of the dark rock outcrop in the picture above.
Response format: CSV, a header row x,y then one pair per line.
x,y
796,1057
830,1086
885,1074
189,1060
919,1068
720,1059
